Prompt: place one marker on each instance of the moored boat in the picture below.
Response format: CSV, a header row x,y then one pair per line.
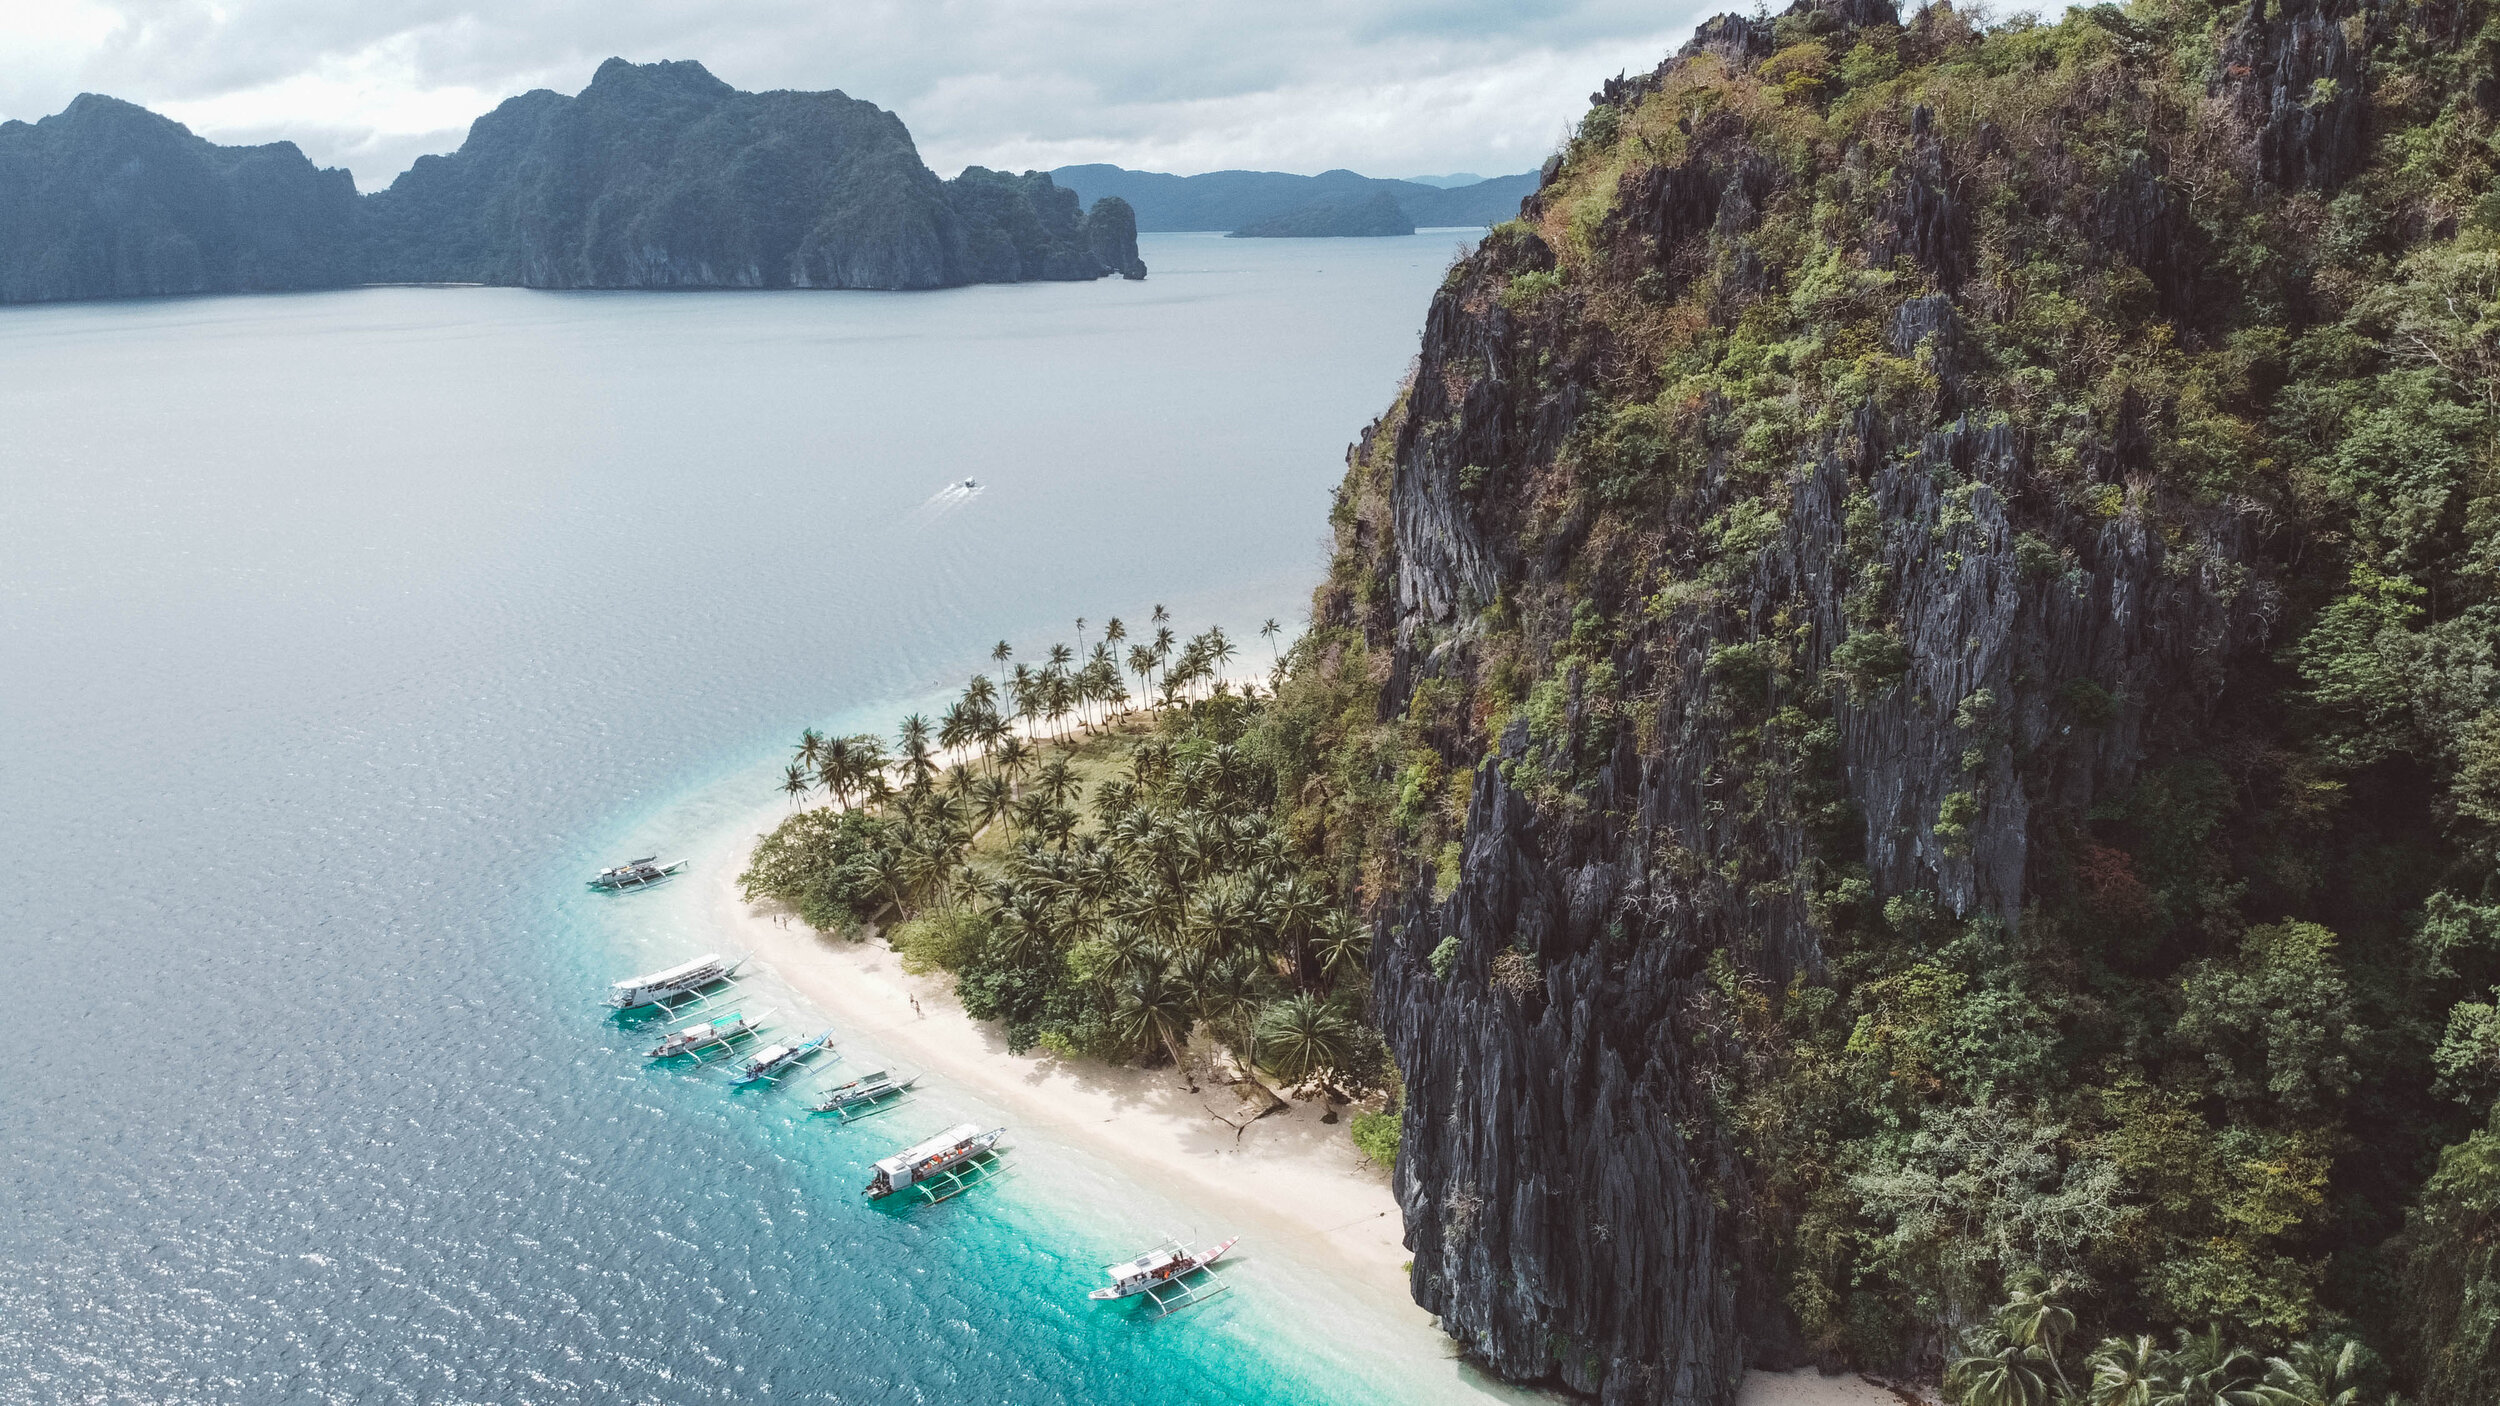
x,y
671,984
636,873
951,1162
704,1035
771,1063
1162,1274
871,1092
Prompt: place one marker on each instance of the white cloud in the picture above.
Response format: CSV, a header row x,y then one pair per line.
x,y
1382,86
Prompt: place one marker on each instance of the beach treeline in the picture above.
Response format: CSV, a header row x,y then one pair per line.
x,y
1109,872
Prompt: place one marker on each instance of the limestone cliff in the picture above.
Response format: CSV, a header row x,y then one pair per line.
x,y
104,199
655,176
1861,595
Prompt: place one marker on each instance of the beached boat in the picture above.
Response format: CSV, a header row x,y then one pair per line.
x,y
1172,1275
636,873
948,1165
709,1036
771,1064
873,1092
673,986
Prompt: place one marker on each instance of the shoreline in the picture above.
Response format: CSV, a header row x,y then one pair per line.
x,y
1287,1181
1293,1177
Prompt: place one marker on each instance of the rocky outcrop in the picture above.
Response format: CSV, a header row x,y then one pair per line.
x,y
1974,636
655,176
108,200
662,176
2295,85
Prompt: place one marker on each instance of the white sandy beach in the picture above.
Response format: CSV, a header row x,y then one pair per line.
x,y
1285,1176
1286,1180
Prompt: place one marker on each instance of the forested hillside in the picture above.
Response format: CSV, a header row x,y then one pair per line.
x,y
1911,689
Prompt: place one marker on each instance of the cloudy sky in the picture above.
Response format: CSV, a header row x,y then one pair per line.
x,y
1387,87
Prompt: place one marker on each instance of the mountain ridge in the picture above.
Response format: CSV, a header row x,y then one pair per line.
x,y
653,176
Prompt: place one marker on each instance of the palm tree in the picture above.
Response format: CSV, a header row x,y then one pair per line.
x,y
954,727
1343,945
1303,1034
1997,1372
1162,641
2206,1371
999,654
1153,1007
1080,632
1219,650
1015,757
1114,634
991,797
1029,926
1141,662
2034,1318
795,783
1294,909
811,748
919,761
2126,1372
1269,632
1056,782
2314,1374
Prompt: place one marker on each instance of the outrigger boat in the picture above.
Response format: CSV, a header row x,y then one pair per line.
x,y
709,1034
1163,1275
636,873
670,987
942,1167
869,1093
772,1063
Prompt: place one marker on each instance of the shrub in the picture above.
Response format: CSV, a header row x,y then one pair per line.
x,y
1377,1135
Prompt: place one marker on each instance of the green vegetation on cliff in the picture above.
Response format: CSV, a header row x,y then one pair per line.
x,y
1934,602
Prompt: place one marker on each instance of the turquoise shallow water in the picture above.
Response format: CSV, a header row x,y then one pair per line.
x,y
341,633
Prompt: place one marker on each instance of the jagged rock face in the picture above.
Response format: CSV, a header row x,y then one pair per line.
x,y
2295,85
662,176
1576,1216
106,200
1111,230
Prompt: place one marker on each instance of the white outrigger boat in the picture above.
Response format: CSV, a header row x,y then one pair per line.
x,y
1164,1274
870,1093
636,873
942,1167
673,987
706,1035
773,1063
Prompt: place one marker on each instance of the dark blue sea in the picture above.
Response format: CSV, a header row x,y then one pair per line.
x,y
343,634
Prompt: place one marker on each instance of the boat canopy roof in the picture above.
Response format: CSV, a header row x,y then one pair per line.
x,y
929,1147
671,975
1154,1259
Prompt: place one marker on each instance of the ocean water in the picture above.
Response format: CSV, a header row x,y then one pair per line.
x,y
341,634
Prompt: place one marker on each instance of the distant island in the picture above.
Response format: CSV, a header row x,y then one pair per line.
x,y
655,176
1235,201
1374,215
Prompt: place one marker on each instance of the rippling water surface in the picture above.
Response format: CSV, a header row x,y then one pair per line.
x,y
341,633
